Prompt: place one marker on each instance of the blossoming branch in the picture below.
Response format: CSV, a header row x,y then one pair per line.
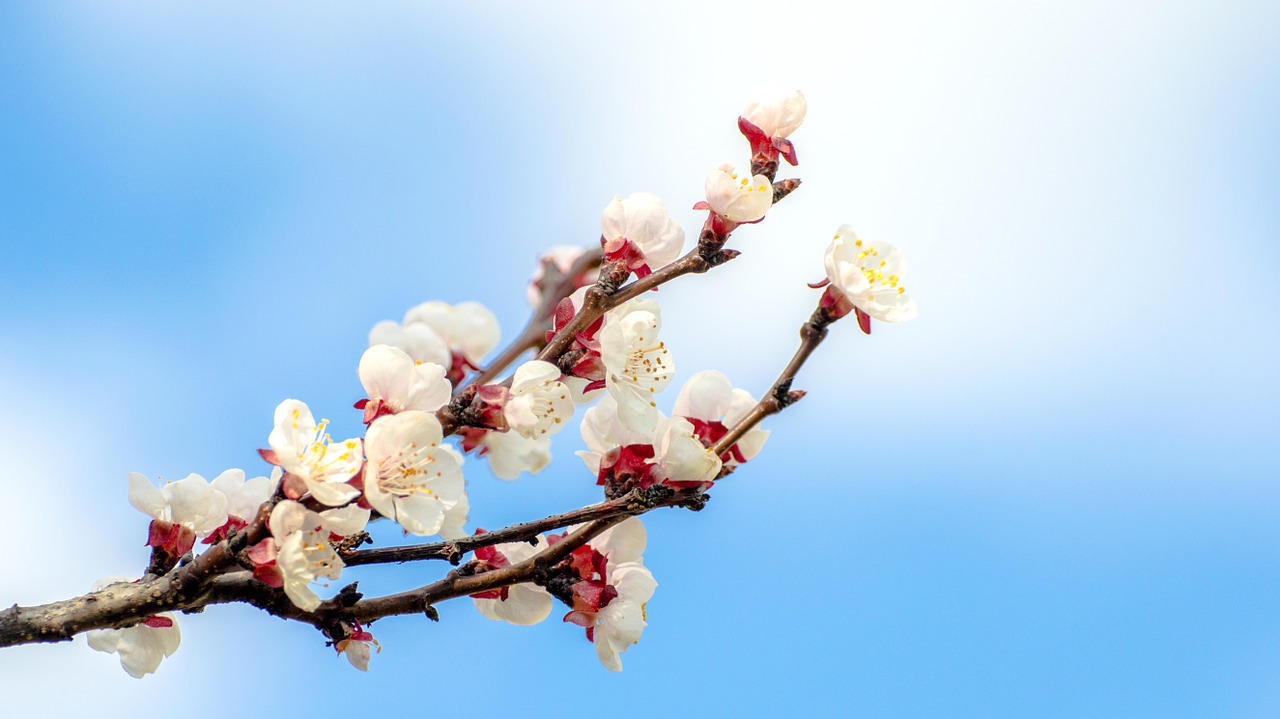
x,y
433,405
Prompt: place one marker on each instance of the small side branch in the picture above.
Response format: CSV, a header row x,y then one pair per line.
x,y
780,395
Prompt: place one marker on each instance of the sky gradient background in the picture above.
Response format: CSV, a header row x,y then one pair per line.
x,y
1055,493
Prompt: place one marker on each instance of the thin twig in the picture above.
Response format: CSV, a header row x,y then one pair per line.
x,y
780,395
558,286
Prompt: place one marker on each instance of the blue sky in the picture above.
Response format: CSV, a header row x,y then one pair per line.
x,y
1053,494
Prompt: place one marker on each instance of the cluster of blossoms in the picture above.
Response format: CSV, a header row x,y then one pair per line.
x,y
314,507
604,583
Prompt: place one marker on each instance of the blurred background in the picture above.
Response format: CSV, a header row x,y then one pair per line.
x,y
1054,494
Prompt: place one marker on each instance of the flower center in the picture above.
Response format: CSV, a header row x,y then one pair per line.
x,y
407,471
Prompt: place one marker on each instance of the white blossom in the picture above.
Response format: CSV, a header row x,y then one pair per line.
x,y
637,364
409,477
679,455
871,275
510,454
524,604
777,117
244,497
190,502
562,257
468,328
641,221
603,430
710,398
357,651
618,624
397,382
417,340
738,198
141,647
305,450
539,403
302,550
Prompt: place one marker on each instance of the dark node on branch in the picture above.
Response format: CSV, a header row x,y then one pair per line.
x,y
533,540
782,188
161,562
335,630
432,613
567,361
763,165
655,494
790,398
558,581
612,275
454,555
615,491
348,596
710,243
722,257
817,324
469,569
696,502
350,544
459,405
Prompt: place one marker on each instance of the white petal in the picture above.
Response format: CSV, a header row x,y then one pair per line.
x,y
533,374
510,454
419,514
385,372
358,654
526,604
332,494
104,640
146,497
196,504
345,521
705,396
779,115
287,517
623,542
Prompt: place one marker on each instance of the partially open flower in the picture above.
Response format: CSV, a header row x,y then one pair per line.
x,y
614,586
469,328
539,404
509,454
181,511
639,231
299,552
453,336
395,382
562,257
713,405
870,275
768,124
521,604
305,450
244,497
358,647
141,647
737,198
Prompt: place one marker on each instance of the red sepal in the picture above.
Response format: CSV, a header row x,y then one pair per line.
x,y
158,622
582,619
219,534
864,320
270,456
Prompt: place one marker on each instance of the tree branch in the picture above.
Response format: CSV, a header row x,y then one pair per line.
x,y
780,395
559,286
